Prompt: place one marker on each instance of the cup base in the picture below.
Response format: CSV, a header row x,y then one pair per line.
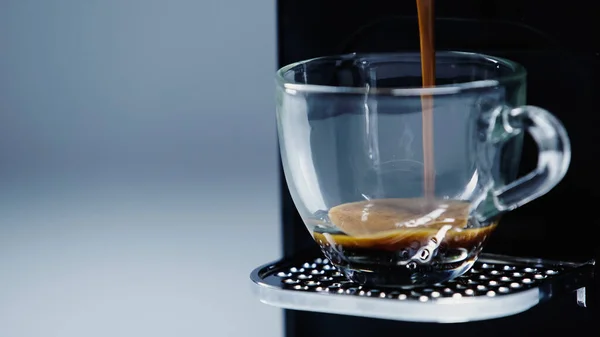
x,y
385,276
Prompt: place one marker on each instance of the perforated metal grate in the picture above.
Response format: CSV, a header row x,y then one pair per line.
x,y
484,279
496,286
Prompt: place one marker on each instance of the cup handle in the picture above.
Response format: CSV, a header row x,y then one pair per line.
x,y
554,153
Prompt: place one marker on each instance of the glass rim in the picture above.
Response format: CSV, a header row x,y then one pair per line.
x,y
517,72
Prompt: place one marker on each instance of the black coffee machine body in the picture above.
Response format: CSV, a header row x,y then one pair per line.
x,y
558,45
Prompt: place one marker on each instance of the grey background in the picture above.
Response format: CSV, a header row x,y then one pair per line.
x,y
137,167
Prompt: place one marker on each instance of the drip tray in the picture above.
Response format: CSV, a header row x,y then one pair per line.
x,y
496,286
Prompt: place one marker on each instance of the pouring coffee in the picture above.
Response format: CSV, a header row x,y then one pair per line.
x,y
399,184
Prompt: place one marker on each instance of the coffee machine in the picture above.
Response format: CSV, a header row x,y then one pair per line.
x,y
538,273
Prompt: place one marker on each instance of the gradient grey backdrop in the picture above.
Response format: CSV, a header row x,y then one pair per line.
x,y
138,182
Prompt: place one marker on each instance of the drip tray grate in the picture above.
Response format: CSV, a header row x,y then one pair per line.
x,y
496,286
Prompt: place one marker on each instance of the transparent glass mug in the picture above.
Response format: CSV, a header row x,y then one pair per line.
x,y
401,185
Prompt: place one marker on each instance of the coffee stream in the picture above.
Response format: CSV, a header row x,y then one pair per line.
x,y
425,11
433,238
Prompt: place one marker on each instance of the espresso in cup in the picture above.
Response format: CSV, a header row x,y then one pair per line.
x,y
404,242
353,137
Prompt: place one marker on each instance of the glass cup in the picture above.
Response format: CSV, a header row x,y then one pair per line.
x,y
401,185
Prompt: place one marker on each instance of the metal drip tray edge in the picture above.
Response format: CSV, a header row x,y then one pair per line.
x,y
496,286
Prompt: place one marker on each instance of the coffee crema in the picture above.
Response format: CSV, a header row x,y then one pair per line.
x,y
397,224
402,242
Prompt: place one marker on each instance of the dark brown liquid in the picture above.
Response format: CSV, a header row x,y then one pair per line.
x,y
425,11
403,224
389,242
